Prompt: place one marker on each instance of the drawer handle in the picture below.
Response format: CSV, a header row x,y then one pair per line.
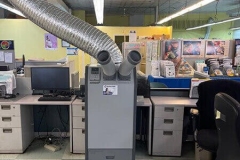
x,y
83,119
6,119
83,131
168,133
169,109
5,107
7,130
83,108
168,121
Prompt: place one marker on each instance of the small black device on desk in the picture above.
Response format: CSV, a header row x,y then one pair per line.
x,y
8,96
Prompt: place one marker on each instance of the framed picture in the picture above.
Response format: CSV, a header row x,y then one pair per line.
x,y
216,48
171,50
193,48
65,44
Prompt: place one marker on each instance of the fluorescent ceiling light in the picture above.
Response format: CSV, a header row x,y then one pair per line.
x,y
234,28
214,23
99,7
186,10
11,9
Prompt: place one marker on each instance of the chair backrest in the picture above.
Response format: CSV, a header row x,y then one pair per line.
x,y
207,91
228,125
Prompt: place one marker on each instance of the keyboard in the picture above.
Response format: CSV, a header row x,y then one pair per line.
x,y
55,99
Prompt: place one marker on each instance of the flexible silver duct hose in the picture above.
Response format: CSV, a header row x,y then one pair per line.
x,y
69,28
107,65
208,30
133,58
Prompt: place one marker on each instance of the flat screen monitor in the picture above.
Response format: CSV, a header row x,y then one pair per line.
x,y
4,68
50,78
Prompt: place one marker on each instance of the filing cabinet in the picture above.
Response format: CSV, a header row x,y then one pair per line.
x,y
16,128
78,126
167,129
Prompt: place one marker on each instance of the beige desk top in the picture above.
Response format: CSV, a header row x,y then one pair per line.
x,y
11,101
178,101
145,103
78,102
33,100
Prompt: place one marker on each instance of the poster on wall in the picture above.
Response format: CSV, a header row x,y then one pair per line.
x,y
50,42
217,48
237,47
237,52
129,46
132,36
72,51
6,45
193,48
171,51
7,54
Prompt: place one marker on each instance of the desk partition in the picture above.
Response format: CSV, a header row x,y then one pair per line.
x,y
183,82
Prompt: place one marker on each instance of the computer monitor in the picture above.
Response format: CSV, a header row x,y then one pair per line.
x,y
50,78
4,68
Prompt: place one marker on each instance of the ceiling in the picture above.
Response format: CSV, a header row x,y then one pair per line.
x,y
135,7
132,7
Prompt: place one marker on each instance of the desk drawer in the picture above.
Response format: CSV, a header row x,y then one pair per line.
x,y
169,112
79,122
78,141
78,110
7,121
11,139
166,123
167,143
9,110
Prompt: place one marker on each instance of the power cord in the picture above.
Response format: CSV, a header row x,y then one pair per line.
x,y
56,140
64,124
43,114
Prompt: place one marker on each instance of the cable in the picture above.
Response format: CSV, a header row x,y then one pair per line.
x,y
238,8
62,121
60,115
216,8
56,140
43,113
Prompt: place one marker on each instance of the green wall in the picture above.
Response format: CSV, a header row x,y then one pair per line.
x,y
179,24
220,31
79,13
109,20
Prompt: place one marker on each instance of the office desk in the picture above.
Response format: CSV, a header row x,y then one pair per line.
x,y
147,103
24,112
77,112
168,124
33,100
174,101
16,126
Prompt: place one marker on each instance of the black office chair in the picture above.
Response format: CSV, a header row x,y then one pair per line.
x,y
228,125
207,136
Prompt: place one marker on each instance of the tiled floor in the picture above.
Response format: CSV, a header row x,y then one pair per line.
x,y
36,151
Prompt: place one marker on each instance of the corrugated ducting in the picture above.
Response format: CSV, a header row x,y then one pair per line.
x,y
69,28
